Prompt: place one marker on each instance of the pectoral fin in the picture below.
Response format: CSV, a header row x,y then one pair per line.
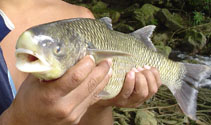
x,y
99,55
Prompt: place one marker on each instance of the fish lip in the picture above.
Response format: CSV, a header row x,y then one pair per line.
x,y
40,65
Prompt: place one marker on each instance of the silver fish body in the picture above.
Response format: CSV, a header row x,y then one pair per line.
x,y
59,45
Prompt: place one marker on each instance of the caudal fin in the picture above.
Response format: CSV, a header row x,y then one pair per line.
x,y
196,76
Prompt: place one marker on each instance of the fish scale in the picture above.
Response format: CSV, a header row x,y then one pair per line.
x,y
141,55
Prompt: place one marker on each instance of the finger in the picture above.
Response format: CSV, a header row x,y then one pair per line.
x,y
96,94
88,86
81,108
121,99
152,85
128,86
80,71
73,77
157,76
141,89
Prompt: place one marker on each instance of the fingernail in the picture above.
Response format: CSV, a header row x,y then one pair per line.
x,y
140,69
109,60
92,57
134,69
131,74
147,67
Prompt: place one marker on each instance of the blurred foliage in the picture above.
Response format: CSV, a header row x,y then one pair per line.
x,y
200,5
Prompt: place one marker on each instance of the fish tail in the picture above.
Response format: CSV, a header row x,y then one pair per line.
x,y
195,76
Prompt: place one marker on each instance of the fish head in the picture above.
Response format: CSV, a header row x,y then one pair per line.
x,y
46,51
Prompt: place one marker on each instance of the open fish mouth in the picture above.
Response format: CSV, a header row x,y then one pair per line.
x,y
29,61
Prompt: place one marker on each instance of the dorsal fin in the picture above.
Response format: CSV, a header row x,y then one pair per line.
x,y
144,35
107,21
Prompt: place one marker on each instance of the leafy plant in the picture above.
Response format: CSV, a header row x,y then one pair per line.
x,y
198,18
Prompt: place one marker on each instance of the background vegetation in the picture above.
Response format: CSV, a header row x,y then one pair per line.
x,y
183,25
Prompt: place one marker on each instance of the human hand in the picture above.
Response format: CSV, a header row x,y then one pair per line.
x,y
62,101
140,84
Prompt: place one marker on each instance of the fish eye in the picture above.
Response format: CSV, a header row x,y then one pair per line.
x,y
58,50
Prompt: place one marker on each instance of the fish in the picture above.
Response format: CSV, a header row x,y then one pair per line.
x,y
48,50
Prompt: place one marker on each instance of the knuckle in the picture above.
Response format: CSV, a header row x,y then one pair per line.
x,y
104,66
94,98
144,94
62,113
122,103
126,94
103,69
76,122
140,77
154,90
48,98
147,73
77,77
137,91
159,83
92,84
154,70
73,118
